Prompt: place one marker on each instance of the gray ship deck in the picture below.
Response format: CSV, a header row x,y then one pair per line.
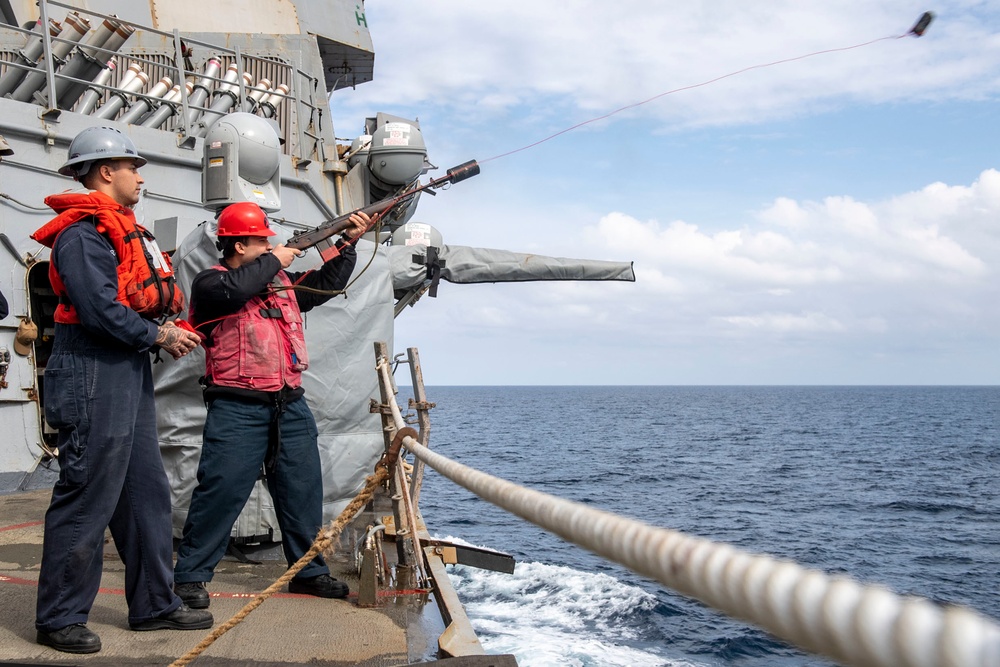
x,y
285,629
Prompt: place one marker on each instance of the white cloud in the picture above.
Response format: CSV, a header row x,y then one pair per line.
x,y
843,268
735,281
594,56
784,212
785,322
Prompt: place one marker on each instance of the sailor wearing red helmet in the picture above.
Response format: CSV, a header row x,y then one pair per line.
x,y
255,355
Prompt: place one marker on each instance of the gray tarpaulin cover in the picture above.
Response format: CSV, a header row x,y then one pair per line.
x,y
463,264
341,378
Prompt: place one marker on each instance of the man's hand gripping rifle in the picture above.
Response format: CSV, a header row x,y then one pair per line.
x,y
307,239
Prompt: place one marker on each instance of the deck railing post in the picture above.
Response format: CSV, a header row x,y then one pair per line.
x,y
420,404
404,546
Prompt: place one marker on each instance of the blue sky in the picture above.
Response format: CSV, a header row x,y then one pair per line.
x,y
832,220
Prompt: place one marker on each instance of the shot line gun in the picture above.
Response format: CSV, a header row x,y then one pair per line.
x,y
306,239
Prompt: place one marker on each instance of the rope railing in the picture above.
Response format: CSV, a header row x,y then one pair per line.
x,y
851,623
834,616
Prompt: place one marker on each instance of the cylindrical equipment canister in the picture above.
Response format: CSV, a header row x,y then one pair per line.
x,y
202,87
32,52
74,28
92,60
118,99
142,104
269,105
96,92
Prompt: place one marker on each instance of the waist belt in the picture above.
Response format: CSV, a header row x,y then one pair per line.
x,y
285,395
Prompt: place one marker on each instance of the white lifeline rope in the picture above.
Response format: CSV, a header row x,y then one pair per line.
x,y
834,616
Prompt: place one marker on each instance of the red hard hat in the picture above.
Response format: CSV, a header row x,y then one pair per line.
x,y
243,219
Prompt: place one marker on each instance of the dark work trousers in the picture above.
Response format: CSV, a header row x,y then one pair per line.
x,y
233,451
110,476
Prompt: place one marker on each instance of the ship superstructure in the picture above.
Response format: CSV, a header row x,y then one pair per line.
x,y
164,73
170,75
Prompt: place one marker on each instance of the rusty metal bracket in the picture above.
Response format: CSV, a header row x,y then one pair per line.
x,y
388,460
376,408
421,405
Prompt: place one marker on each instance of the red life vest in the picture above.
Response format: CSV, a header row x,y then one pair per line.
x,y
146,281
262,347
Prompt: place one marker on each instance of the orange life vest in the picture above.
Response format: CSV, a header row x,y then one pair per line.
x,y
146,281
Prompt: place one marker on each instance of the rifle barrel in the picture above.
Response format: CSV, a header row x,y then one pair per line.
x,y
303,240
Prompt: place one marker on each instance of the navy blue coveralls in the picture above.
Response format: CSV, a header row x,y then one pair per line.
x,y
99,395
238,434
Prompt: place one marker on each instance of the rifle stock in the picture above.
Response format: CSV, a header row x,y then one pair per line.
x,y
333,227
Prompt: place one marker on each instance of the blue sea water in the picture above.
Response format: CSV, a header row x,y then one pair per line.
x,y
890,485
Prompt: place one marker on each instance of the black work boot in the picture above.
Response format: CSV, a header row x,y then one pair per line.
x,y
182,618
193,594
323,586
74,638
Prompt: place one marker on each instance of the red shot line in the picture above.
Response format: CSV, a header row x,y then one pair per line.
x,y
4,579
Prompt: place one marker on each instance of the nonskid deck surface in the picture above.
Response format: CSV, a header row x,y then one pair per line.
x,y
285,629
